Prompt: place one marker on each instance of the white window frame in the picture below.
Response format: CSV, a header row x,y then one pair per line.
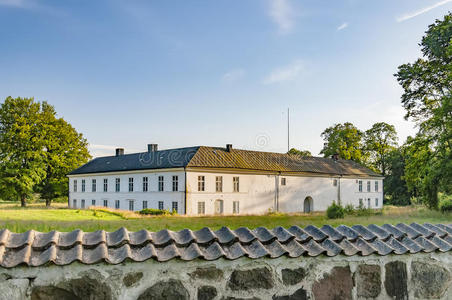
x,y
75,185
130,184
105,203
161,205
145,204
82,203
117,185
93,185
360,186
368,186
93,202
174,206
145,183
201,183
376,202
376,185
201,208
131,205
74,203
236,207
175,183
83,185
105,185
161,183
117,204
219,184
236,184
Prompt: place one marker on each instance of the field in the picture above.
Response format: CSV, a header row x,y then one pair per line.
x,y
40,218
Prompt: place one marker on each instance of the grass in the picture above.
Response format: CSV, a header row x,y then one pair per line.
x,y
43,219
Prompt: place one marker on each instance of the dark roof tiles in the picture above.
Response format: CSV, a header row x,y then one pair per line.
x,y
61,248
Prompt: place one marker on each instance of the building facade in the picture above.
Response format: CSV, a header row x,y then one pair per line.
x,y
225,181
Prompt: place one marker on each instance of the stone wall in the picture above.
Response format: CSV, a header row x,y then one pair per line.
x,y
410,276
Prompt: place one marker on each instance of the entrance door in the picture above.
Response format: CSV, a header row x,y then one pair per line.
x,y
307,206
218,207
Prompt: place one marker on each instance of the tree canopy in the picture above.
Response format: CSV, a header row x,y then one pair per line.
x,y
427,99
379,141
295,151
37,149
345,140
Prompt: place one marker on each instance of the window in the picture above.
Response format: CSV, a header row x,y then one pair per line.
x,y
334,182
361,202
105,203
376,186
75,186
161,183
117,184
93,185
161,205
83,185
145,184
201,208
219,184
368,203
93,202
235,207
235,180
376,202
131,205
175,183
82,205
130,184
283,181
105,184
201,183
117,204
174,206
368,186
145,204
360,185
74,203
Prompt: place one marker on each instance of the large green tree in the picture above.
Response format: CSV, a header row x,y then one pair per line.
x,y
379,141
345,140
395,186
37,150
427,99
295,151
21,143
64,150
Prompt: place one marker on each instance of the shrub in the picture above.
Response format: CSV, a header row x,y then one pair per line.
x,y
154,212
349,209
335,211
445,205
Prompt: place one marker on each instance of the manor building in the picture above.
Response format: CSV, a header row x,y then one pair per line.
x,y
215,180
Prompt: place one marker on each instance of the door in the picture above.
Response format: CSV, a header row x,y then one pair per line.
x,y
307,206
218,207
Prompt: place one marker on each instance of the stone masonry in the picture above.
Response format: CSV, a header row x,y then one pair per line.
x,y
408,276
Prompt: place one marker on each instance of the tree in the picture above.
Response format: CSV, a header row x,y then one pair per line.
x,y
64,150
395,185
379,141
21,143
294,151
345,140
427,99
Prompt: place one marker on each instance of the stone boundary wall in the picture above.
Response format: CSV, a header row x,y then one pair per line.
x,y
409,276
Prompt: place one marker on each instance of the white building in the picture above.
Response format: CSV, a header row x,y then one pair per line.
x,y
213,180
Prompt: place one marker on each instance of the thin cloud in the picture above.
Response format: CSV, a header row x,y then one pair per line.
x,y
15,3
286,73
233,75
422,11
282,14
342,26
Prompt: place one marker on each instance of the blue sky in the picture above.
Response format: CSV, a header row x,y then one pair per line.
x,y
184,73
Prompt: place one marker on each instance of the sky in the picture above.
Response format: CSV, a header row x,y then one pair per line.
x,y
126,73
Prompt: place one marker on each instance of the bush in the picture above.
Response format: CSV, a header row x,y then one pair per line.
x,y
335,211
154,212
349,209
445,205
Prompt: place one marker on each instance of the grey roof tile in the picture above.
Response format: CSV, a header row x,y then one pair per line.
x,y
61,248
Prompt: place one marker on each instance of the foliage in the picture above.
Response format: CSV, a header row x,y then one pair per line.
x,y
349,209
427,100
395,186
37,150
299,152
21,161
345,140
379,141
445,205
335,211
155,212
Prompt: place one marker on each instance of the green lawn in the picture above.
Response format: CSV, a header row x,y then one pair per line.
x,y
43,219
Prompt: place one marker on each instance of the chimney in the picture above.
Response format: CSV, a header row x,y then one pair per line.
x,y
335,156
228,147
152,147
119,151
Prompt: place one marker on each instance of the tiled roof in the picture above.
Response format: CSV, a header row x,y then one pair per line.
x,y
62,248
220,158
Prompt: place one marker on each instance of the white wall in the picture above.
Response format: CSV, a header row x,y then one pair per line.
x,y
152,196
258,192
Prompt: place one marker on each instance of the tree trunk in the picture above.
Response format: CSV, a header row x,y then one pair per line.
x,y
23,201
48,202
